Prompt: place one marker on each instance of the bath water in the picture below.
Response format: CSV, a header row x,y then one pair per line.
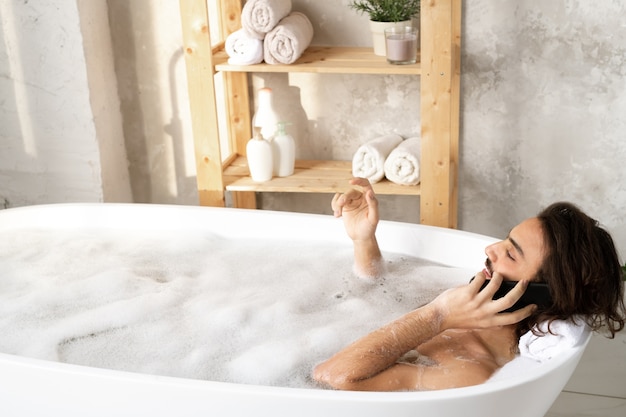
x,y
197,305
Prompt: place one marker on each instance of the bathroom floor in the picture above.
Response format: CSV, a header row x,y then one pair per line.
x,y
598,386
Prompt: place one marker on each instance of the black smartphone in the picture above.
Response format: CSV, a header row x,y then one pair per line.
x,y
536,293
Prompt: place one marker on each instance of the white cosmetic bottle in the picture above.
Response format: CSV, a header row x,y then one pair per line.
x,y
265,116
284,154
259,155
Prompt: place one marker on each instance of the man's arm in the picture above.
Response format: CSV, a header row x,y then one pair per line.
x,y
368,261
454,373
360,362
359,210
371,362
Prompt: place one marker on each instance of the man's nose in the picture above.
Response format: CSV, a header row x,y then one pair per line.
x,y
491,252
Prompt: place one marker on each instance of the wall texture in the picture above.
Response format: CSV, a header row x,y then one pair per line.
x,y
58,137
544,99
146,37
542,107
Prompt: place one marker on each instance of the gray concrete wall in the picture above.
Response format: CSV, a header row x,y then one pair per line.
x,y
58,137
543,100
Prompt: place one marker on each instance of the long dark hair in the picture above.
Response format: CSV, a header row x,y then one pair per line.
x,y
582,269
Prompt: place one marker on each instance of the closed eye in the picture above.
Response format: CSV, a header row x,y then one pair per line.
x,y
508,254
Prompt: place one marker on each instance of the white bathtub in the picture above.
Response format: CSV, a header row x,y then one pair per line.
x,y
38,387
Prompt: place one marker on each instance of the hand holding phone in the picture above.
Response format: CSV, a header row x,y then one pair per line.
x,y
536,293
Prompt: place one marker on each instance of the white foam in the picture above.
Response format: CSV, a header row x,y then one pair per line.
x,y
197,305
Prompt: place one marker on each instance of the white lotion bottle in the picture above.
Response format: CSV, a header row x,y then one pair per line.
x,y
284,152
265,116
259,155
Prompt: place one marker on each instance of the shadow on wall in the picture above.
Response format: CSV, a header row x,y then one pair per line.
x,y
124,47
41,109
175,127
287,103
148,72
11,126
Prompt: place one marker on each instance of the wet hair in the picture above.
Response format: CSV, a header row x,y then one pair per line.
x,y
582,269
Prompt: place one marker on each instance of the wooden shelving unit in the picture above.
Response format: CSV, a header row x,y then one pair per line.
x,y
440,81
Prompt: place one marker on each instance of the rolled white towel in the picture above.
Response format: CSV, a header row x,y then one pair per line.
x,y
288,40
259,17
565,335
243,49
369,159
402,166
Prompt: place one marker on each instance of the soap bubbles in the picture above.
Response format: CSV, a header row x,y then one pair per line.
x,y
197,305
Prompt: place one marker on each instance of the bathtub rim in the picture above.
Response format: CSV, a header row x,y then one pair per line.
x,y
392,236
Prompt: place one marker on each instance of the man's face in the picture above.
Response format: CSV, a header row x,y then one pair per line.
x,y
520,255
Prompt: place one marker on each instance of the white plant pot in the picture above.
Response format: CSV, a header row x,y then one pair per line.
x,y
378,34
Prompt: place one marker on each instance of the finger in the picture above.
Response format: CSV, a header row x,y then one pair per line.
x,y
362,182
478,281
334,204
350,199
514,295
492,286
372,203
505,319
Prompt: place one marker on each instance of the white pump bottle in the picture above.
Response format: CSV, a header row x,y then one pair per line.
x,y
259,155
284,152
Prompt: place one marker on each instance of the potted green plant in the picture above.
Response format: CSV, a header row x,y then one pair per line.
x,y
386,13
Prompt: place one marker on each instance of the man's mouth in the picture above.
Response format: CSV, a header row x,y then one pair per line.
x,y
488,268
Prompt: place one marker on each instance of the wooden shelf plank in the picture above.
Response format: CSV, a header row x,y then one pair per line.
x,y
309,176
323,59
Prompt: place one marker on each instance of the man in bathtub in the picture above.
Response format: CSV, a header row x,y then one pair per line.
x,y
463,336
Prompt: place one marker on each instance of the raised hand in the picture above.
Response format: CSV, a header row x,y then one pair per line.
x,y
358,208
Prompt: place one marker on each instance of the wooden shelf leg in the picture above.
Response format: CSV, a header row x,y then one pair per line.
x,y
201,86
440,43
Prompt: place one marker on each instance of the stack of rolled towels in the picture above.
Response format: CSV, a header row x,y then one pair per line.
x,y
389,156
270,32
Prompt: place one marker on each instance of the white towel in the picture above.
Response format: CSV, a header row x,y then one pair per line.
x,y
402,166
243,49
369,159
288,40
259,17
565,335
